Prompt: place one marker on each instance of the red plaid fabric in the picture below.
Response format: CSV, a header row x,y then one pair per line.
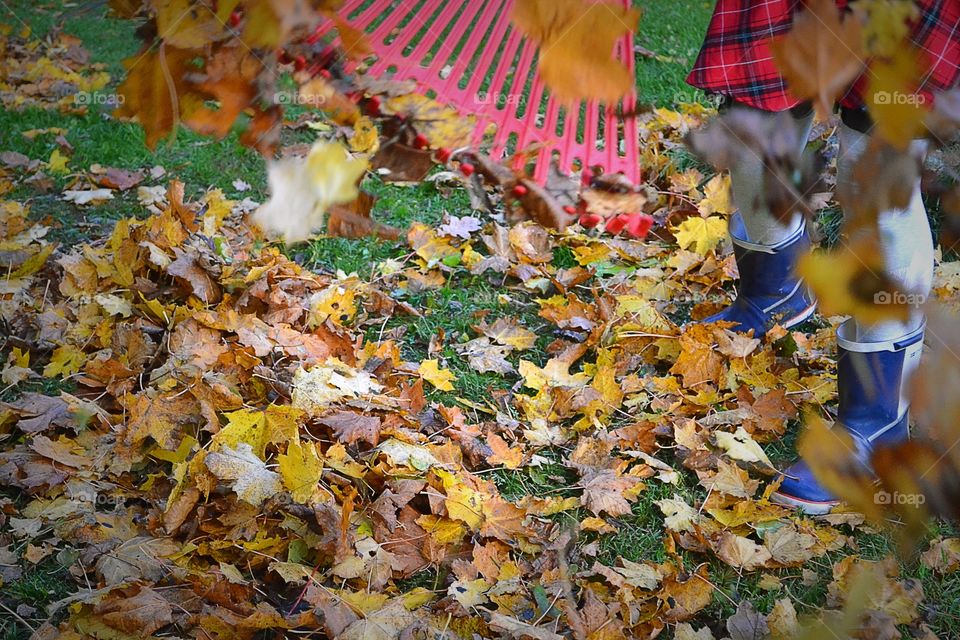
x,y
735,58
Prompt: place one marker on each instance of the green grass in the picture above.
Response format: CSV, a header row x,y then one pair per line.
x,y
673,31
39,586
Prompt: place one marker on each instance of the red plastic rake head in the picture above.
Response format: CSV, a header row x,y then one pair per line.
x,y
468,54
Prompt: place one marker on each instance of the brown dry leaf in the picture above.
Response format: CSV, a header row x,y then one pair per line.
x,y
349,427
397,162
699,362
139,558
503,453
353,220
730,480
229,79
113,178
188,266
189,24
821,55
141,613
604,492
484,357
741,553
513,628
270,23
943,556
508,332
789,546
152,94
747,623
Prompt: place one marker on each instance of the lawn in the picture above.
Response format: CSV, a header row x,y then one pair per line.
x,y
446,319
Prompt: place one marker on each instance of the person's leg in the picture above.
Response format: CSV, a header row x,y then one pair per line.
x,y
747,190
765,247
906,242
874,362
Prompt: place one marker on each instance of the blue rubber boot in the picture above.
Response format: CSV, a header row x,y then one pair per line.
x,y
872,407
769,292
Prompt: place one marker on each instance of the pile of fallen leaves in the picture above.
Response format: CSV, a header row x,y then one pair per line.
x,y
238,456
52,73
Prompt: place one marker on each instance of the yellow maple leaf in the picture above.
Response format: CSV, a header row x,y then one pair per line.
x,y
336,303
897,111
66,360
440,378
686,182
701,234
365,138
57,162
716,196
243,426
300,469
34,263
463,503
442,530
443,126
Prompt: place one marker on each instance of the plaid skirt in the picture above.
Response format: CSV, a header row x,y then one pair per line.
x,y
735,59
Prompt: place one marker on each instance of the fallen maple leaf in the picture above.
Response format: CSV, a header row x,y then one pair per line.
x,y
742,553
701,234
252,481
300,469
441,379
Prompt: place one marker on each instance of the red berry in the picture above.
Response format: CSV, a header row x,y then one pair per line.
x,y
234,19
639,225
299,63
467,169
520,190
373,106
616,224
572,210
443,155
326,73
421,142
590,220
283,57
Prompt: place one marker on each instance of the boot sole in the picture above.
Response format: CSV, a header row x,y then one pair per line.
x,y
800,317
814,508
